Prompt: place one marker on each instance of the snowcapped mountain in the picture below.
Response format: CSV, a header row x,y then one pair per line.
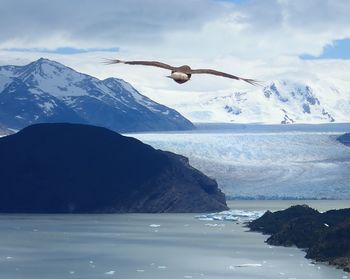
x,y
281,101
47,91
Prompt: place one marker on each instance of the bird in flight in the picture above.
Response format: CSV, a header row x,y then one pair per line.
x,y
183,73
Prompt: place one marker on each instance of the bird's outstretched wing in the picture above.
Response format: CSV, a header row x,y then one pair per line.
x,y
226,75
145,63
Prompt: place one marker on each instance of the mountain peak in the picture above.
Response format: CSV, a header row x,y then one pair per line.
x,y
285,99
54,92
44,61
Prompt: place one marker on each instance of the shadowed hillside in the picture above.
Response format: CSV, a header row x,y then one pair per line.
x,y
80,168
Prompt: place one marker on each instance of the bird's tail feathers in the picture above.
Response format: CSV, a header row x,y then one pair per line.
x,y
112,61
252,81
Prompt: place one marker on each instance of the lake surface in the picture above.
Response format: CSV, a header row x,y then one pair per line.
x,y
151,246
266,161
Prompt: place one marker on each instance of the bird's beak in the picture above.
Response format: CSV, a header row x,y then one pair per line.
x,y
168,76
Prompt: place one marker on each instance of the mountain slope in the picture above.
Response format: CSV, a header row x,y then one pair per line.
x,y
47,91
81,168
280,101
4,131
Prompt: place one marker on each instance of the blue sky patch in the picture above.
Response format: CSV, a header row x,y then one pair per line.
x,y
340,49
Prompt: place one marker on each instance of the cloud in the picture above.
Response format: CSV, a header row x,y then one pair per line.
x,y
251,29
252,38
265,29
62,50
91,23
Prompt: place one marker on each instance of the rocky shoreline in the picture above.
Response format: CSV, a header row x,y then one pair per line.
x,y
324,236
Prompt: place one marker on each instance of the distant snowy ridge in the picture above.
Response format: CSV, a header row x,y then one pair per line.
x,y
47,91
285,100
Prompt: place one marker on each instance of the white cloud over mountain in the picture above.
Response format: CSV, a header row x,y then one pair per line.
x,y
254,39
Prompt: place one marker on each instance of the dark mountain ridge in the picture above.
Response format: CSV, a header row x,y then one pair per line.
x,y
63,168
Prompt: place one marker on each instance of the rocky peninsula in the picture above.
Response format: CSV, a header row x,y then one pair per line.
x,y
324,236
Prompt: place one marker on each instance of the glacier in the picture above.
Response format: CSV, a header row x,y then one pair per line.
x,y
267,162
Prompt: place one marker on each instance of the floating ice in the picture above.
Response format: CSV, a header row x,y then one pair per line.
x,y
110,272
249,265
239,216
154,225
214,225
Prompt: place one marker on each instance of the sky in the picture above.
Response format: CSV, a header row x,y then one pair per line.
x,y
260,39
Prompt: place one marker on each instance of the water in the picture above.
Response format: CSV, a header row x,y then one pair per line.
x,y
149,246
266,161
248,161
